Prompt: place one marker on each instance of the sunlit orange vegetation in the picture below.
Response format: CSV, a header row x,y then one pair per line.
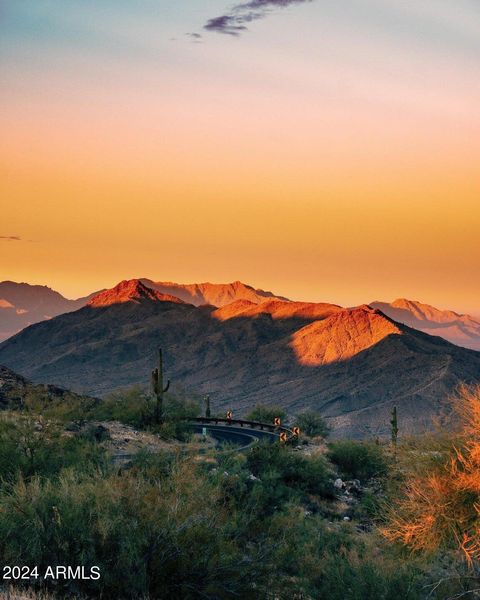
x,y
441,509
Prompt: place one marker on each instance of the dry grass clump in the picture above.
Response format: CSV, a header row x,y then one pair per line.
x,y
441,508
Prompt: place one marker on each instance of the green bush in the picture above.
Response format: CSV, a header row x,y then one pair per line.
x,y
153,465
322,561
360,575
264,413
134,407
291,469
37,447
312,424
168,536
370,506
67,407
130,406
360,460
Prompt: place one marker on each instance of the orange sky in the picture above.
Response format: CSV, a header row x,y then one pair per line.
x,y
346,177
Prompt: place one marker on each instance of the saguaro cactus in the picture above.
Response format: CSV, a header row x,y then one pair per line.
x,y
394,427
207,406
158,388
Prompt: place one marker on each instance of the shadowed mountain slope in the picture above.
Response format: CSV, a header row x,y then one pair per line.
x,y
353,365
462,330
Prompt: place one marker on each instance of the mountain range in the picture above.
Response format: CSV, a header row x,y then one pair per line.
x,y
353,365
22,305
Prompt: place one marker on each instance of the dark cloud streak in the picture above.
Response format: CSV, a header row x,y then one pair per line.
x,y
233,22
10,238
227,24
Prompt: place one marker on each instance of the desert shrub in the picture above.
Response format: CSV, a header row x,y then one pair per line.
x,y
357,574
129,406
290,468
169,526
153,465
36,446
440,508
265,413
67,407
134,407
176,409
176,414
370,506
267,479
322,561
360,460
311,424
169,536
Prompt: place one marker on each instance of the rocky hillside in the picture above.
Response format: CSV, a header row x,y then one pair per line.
x,y
462,330
353,365
15,390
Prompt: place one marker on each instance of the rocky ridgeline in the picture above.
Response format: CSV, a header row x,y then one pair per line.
x,y
15,390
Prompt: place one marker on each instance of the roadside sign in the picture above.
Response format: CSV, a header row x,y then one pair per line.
x,y
277,421
229,415
296,431
283,437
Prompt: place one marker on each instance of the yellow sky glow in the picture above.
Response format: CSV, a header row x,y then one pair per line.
x,y
343,172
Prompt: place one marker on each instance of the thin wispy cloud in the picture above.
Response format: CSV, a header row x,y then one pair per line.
x,y
196,38
10,238
234,22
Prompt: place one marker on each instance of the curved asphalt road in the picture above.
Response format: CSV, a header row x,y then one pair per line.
x,y
242,437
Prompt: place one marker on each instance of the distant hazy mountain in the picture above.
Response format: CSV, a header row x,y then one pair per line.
x,y
352,365
22,304
462,330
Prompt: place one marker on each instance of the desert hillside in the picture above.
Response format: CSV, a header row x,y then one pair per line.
x,y
352,365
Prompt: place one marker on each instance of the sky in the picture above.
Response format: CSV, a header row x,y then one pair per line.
x,y
328,151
